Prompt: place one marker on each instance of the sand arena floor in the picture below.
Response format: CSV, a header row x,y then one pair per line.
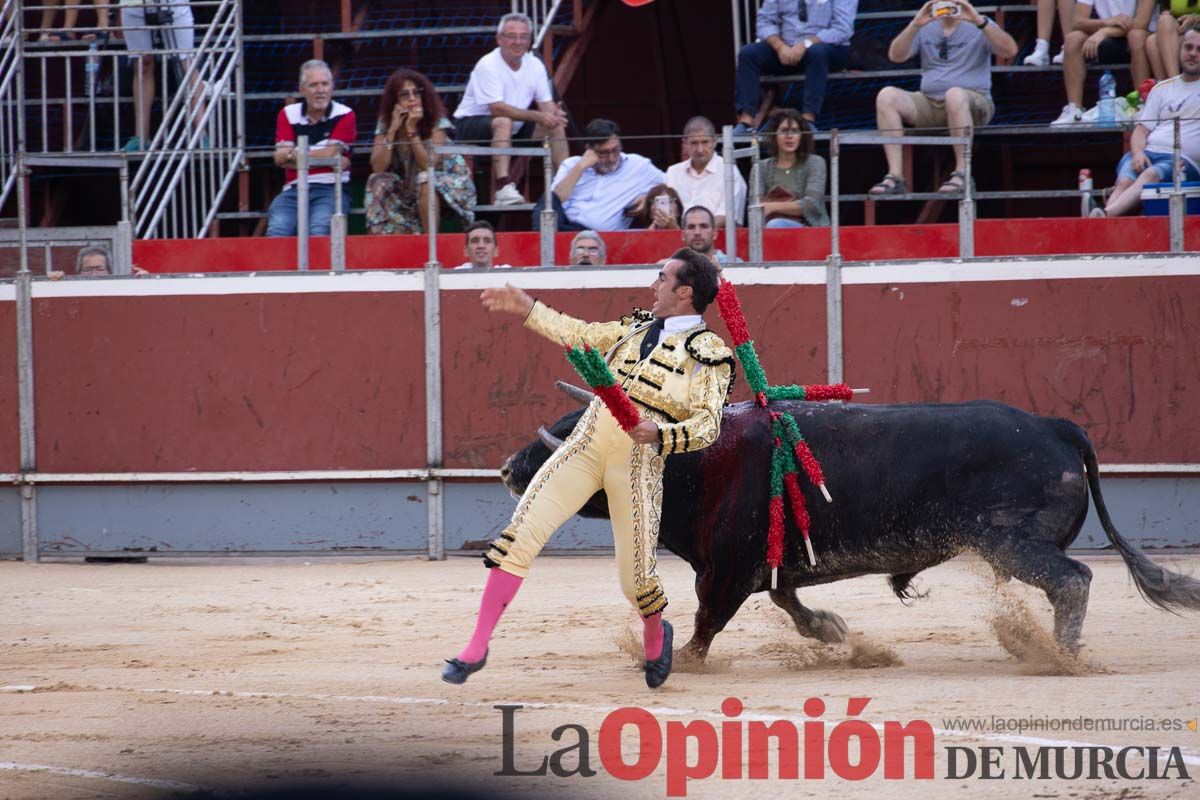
x,y
221,675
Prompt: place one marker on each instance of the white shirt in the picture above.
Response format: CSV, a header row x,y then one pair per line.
x,y
1114,8
469,265
494,81
598,201
1169,99
707,188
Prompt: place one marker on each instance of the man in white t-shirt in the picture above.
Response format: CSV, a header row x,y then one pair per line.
x,y
1116,35
1152,145
481,248
496,103
700,181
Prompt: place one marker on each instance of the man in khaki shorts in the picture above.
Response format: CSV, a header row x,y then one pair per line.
x,y
956,83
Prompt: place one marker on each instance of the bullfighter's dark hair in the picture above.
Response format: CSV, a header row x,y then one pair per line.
x,y
699,273
599,131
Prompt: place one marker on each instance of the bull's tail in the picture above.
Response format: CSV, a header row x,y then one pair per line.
x,y
1167,589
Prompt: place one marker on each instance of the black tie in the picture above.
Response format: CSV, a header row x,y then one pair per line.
x,y
651,340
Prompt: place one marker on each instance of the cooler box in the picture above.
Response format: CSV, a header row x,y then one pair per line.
x,y
1156,198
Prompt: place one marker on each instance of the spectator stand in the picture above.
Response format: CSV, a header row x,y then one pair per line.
x,y
1027,97
76,117
367,41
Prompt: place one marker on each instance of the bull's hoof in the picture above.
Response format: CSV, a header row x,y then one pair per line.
x,y
829,627
658,670
457,671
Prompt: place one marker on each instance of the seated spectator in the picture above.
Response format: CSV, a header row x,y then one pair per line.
x,y
1162,46
1040,57
699,233
330,128
411,121
1150,158
603,189
70,17
661,214
700,177
588,250
956,85
495,105
794,177
481,247
92,261
1116,36
812,34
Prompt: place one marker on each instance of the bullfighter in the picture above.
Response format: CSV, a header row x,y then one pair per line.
x,y
678,374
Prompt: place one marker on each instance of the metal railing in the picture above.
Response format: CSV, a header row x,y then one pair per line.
x,y
12,120
541,12
198,147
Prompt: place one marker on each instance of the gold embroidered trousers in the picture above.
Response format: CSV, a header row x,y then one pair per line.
x,y
597,455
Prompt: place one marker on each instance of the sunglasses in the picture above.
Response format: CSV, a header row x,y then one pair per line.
x,y
803,11
944,50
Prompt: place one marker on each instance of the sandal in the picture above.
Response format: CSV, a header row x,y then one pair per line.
x,y
891,184
955,184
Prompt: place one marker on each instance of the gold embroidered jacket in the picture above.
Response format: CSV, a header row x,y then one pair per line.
x,y
682,385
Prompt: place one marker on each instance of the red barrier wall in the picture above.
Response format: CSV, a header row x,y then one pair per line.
x,y
1121,357
10,441
168,376
881,242
230,382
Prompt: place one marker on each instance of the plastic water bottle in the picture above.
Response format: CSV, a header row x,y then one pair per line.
x,y
1106,113
92,68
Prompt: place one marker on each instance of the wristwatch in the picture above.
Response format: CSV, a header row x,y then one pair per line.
x,y
983,23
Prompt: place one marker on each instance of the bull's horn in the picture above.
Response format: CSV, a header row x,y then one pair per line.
x,y
549,439
581,396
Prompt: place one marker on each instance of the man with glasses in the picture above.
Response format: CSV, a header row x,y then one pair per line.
x,y
603,188
811,34
588,250
956,83
496,103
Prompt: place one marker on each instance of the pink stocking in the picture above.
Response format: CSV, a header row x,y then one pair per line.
x,y
498,592
652,636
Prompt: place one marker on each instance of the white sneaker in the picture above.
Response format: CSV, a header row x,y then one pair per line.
x,y
1071,115
1038,58
1058,59
509,196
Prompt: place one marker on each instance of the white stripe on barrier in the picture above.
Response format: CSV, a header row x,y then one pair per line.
x,y
807,274
1189,756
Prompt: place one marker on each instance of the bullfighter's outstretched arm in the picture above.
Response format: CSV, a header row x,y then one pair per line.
x,y
709,391
559,327
554,325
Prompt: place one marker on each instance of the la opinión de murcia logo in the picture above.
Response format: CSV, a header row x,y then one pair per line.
x,y
852,750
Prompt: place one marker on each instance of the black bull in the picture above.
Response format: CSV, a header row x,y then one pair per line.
x,y
913,486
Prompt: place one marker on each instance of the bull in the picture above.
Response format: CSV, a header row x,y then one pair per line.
x,y
914,486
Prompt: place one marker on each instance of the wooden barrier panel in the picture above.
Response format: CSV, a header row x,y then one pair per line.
x,y
326,372
10,440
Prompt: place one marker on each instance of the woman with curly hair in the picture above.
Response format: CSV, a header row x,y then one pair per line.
x,y
794,176
412,120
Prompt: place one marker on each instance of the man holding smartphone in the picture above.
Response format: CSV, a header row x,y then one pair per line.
x,y
956,83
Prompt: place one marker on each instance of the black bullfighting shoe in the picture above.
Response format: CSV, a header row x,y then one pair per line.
x,y
659,669
457,671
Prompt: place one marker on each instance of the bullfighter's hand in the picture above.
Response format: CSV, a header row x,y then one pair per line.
x,y
646,432
507,298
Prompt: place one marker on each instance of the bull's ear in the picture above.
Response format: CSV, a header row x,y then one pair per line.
x,y
549,439
581,396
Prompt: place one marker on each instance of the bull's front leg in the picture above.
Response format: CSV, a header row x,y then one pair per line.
x,y
824,626
720,597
